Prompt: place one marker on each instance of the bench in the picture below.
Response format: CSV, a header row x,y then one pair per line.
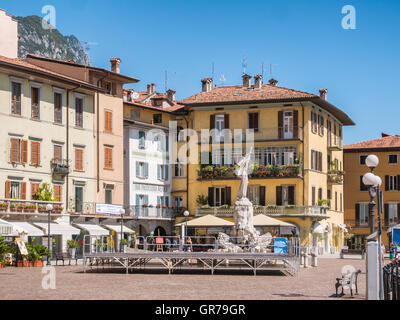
x,y
347,281
65,256
344,252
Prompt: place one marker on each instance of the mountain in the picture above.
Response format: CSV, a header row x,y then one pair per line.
x,y
48,43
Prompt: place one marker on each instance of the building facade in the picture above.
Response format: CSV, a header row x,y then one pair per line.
x,y
297,165
387,149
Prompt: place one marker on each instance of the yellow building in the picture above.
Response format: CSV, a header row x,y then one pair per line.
x,y
297,174
387,149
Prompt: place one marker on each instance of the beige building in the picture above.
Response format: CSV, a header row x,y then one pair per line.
x,y
9,35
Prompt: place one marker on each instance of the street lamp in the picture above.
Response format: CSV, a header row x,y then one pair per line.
x,y
122,212
49,208
186,214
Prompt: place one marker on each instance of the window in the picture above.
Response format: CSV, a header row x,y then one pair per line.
x,y
329,129
391,212
341,202
142,139
35,102
362,159
108,157
108,121
219,196
313,122
363,187
35,186
15,190
362,214
18,150
162,172
392,158
392,183
178,202
316,160
285,195
16,98
108,196
135,114
57,154
313,202
181,134
157,118
253,121
78,159
142,170
79,112
336,207
35,153
57,107
320,194
320,125
179,170
58,193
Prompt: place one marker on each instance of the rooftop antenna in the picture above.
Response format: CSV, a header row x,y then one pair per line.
x,y
244,64
175,80
222,79
262,69
166,80
212,71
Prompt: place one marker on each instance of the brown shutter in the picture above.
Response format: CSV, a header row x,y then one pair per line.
x,y
78,159
279,196
256,115
34,190
35,153
386,183
280,124
291,195
226,121
322,125
57,193
211,196
228,196
8,189
108,158
24,151
295,124
398,213
386,207
262,195
357,214
108,121
14,152
319,161
57,154
398,183
212,121
23,190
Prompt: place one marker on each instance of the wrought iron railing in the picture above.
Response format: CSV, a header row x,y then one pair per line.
x,y
153,212
60,166
391,281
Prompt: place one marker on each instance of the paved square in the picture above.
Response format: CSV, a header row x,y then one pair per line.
x,y
72,283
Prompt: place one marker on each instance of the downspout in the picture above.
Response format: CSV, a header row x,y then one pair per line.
x,y
302,118
67,151
187,165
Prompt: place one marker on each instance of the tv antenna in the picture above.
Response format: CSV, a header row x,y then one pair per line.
x,y
244,64
87,45
166,80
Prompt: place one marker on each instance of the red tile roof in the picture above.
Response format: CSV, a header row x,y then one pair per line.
x,y
242,94
386,142
148,104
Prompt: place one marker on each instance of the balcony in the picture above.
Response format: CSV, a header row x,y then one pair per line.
x,y
260,135
59,166
259,172
153,213
31,207
335,176
273,211
364,224
335,145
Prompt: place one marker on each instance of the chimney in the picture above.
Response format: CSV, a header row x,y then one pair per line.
x,y
273,82
206,85
115,64
246,80
171,94
384,135
323,93
258,81
151,88
129,94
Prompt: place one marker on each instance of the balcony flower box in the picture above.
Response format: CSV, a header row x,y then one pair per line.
x,y
20,207
42,209
3,206
58,209
29,208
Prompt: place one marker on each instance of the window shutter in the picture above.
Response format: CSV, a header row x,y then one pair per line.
x,y
146,200
295,124
313,196
23,190
108,158
212,121
8,189
322,125
386,207
24,151
226,121
291,195
320,161
279,196
146,170
57,193
362,186
398,213
262,195
386,183
34,189
35,153
280,124
228,196
57,153
211,196
398,183
166,172
14,152
159,172
357,214
137,169
78,159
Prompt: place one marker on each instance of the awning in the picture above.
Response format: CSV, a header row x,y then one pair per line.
x,y
397,226
58,228
6,228
261,220
207,221
321,228
93,229
27,228
117,228
341,226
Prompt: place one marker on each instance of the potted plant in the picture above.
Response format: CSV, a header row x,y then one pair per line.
x,y
3,206
4,248
42,209
202,200
72,245
30,208
58,208
124,244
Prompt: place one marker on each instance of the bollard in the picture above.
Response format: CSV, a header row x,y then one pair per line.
x,y
302,258
306,261
314,260
372,271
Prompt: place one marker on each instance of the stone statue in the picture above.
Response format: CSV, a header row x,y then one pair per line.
x,y
243,213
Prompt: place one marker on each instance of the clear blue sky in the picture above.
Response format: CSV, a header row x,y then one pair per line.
x,y
303,40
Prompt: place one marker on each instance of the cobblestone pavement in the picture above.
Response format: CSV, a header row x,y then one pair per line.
x,y
72,283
